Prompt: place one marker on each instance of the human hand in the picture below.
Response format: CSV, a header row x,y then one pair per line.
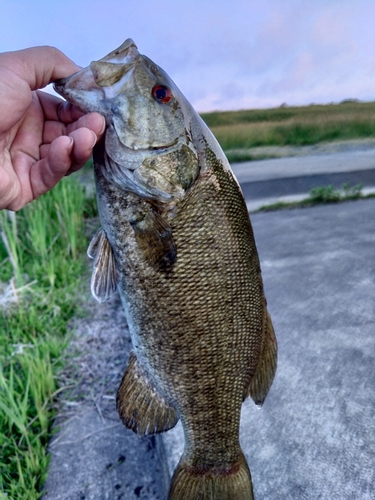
x,y
42,137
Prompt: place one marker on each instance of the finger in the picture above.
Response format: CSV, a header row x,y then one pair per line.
x,y
84,141
39,66
57,109
92,121
46,173
53,129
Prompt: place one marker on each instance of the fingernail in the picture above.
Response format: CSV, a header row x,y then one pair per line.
x,y
95,138
70,147
103,128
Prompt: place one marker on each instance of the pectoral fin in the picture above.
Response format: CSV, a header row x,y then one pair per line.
x,y
139,406
154,237
265,372
105,276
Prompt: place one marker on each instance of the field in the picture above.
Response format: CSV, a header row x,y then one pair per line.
x,y
239,131
42,262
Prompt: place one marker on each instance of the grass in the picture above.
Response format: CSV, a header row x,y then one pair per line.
x,y
319,195
298,126
41,265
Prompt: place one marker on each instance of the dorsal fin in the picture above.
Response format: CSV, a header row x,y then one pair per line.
x,y
105,275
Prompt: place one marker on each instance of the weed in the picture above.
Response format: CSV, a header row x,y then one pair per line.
x,y
321,194
328,194
239,155
41,264
325,194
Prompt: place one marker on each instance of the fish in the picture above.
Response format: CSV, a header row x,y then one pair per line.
x,y
176,241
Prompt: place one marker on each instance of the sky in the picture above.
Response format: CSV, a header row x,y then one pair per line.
x,y
223,55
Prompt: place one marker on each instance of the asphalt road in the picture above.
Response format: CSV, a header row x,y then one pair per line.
x,y
303,184
352,160
291,178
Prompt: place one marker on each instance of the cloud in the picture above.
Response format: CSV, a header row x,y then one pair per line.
x,y
223,56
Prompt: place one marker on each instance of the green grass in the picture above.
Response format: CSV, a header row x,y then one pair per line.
x,y
319,195
298,126
41,265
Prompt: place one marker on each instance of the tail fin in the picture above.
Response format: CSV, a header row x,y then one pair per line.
x,y
218,483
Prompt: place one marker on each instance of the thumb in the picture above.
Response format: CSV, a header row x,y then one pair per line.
x,y
38,66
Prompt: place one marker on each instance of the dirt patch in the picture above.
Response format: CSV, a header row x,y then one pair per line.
x,y
93,456
95,359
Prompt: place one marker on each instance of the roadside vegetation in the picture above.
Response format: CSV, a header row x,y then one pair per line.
x,y
239,131
321,194
41,266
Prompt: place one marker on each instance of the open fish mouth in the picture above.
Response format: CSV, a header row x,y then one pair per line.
x,y
59,85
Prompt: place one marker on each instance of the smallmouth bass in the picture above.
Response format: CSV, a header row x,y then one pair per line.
x,y
177,242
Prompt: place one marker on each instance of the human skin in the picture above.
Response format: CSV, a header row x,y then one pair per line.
x,y
42,137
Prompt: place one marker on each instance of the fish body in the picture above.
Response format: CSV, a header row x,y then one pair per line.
x,y
177,242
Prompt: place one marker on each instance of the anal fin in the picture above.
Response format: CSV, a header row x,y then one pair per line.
x,y
266,369
139,406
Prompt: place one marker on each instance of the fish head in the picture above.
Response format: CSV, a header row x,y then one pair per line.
x,y
134,95
151,127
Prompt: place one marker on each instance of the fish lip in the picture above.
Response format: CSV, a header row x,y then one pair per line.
x,y
154,149
59,85
157,148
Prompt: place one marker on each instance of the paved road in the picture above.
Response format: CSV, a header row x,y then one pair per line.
x,y
290,179
327,163
303,184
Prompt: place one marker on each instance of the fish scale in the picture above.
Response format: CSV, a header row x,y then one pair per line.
x,y
177,242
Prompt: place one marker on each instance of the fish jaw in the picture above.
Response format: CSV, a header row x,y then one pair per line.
x,y
91,88
81,90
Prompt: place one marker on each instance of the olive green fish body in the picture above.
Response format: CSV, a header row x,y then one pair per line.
x,y
177,242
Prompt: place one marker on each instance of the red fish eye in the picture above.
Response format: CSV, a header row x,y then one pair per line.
x,y
162,94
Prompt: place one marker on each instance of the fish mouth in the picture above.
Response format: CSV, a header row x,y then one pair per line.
x,y
117,150
160,148
59,85
81,90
